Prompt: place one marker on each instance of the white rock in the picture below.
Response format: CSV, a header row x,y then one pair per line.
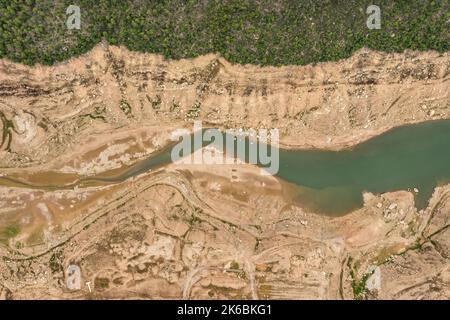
x,y
392,206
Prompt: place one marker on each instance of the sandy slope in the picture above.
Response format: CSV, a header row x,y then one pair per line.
x,y
210,232
330,105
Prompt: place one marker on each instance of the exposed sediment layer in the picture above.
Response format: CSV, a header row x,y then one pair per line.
x,y
211,232
47,111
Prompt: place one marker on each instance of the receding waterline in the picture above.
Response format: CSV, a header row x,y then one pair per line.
x,y
333,182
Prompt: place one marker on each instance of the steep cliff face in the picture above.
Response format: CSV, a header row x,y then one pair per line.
x,y
45,111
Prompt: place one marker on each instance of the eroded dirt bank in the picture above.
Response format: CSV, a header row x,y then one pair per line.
x,y
211,232
47,112
187,233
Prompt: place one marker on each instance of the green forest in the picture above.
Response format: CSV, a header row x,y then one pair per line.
x,y
258,32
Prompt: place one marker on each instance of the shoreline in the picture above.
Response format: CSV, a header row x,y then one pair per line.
x,y
168,142
345,146
348,145
330,106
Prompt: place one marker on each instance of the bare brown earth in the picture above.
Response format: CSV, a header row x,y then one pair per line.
x,y
213,231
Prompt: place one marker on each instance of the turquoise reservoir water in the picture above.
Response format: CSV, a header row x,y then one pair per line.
x,y
332,182
416,156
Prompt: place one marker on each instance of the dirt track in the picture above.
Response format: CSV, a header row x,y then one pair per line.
x,y
222,232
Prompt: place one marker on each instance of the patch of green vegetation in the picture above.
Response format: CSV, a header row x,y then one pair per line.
x,y
156,104
242,275
412,228
234,265
194,111
125,107
193,219
359,288
174,107
55,262
10,232
101,283
257,243
259,32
